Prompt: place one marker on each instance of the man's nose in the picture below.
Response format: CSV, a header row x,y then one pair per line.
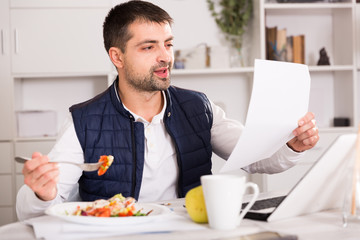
x,y
165,55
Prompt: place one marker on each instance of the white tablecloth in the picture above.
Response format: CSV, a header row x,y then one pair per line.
x,y
323,225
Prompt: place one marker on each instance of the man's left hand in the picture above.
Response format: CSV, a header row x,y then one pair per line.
x,y
306,134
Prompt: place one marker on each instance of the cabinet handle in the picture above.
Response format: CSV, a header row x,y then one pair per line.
x,y
16,42
2,43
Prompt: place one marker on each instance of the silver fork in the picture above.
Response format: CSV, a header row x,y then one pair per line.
x,y
87,167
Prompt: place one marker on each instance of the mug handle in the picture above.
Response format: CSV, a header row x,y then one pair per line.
x,y
253,199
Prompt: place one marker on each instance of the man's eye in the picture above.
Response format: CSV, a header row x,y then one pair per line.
x,y
169,45
147,48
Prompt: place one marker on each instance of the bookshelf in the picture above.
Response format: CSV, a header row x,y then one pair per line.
x,y
327,21
335,88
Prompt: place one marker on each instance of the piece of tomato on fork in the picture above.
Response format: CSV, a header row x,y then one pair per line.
x,y
107,161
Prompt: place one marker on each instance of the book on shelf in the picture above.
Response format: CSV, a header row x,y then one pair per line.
x,y
299,49
281,47
271,33
275,44
289,49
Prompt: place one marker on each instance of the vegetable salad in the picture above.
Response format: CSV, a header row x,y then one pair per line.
x,y
117,206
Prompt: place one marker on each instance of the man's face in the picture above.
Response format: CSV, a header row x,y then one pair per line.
x,y
149,56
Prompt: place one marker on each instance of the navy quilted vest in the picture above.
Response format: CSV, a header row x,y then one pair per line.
x,y
104,127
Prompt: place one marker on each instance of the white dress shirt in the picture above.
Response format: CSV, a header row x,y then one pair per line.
x,y
160,167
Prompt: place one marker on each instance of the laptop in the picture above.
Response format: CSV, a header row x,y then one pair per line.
x,y
321,188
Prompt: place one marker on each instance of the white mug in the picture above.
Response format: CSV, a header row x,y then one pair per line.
x,y
223,195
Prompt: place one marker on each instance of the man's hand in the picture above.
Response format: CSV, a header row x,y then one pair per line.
x,y
41,176
306,134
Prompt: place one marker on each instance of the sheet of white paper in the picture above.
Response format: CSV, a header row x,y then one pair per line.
x,y
280,97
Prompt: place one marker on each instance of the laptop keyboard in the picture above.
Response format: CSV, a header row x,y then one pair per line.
x,y
265,203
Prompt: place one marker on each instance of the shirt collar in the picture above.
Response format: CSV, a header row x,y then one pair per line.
x,y
156,119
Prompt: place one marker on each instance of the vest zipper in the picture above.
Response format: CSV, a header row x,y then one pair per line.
x,y
179,183
133,156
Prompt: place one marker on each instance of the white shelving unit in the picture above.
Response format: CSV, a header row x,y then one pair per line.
x,y
6,127
357,27
221,71
62,62
330,23
334,90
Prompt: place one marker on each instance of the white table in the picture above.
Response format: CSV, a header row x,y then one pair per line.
x,y
323,225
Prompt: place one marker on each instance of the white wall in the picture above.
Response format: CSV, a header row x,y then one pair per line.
x,y
193,23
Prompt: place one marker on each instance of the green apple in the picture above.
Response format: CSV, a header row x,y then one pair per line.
x,y
195,205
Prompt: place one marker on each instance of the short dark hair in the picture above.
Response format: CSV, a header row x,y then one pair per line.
x,y
116,24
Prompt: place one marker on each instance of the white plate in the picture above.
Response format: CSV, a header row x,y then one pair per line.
x,y
64,209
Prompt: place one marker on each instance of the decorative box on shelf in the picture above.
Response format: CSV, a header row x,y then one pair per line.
x,y
36,123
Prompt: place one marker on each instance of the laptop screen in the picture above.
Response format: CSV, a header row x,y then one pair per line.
x,y
322,187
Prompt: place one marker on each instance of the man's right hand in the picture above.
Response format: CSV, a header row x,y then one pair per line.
x,y
41,176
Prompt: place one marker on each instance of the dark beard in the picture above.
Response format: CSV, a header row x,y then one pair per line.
x,y
150,83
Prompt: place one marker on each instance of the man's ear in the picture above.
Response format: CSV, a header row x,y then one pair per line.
x,y
116,56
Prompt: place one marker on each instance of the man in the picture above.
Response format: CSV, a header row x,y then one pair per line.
x,y
161,137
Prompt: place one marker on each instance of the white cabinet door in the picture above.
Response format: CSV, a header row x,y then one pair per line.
x,y
6,188
6,90
58,40
7,215
7,158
